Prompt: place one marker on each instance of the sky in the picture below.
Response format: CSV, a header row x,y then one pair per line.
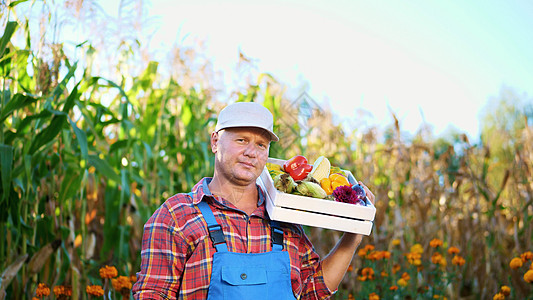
x,y
436,62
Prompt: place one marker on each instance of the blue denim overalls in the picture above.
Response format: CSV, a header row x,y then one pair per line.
x,y
247,275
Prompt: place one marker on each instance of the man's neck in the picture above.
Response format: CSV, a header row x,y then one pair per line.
x,y
243,197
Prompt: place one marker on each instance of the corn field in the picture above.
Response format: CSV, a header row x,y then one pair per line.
x,y
86,159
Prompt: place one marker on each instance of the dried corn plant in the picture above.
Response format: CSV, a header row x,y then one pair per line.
x,y
451,192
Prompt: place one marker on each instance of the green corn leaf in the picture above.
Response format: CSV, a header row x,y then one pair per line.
x,y
148,150
48,134
58,91
186,114
17,102
6,168
14,3
27,120
103,168
70,186
118,145
148,77
125,182
6,63
82,139
8,33
69,103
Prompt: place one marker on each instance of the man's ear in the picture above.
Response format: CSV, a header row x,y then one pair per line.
x,y
214,142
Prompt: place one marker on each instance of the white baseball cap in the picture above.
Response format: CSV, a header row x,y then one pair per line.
x,y
246,114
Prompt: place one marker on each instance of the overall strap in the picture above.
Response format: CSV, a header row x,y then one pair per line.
x,y
276,234
215,230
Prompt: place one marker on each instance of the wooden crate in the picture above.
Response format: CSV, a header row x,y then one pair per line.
x,y
316,212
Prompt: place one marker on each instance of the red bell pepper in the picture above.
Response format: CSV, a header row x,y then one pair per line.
x,y
297,167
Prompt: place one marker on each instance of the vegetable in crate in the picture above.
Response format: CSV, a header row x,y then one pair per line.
x,y
359,191
273,167
321,168
297,167
284,183
335,169
311,189
335,180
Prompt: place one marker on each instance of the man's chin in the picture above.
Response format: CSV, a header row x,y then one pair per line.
x,y
245,179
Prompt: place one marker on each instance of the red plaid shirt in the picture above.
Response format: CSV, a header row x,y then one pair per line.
x,y
177,252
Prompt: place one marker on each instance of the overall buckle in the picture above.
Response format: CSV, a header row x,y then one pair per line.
x,y
277,236
216,234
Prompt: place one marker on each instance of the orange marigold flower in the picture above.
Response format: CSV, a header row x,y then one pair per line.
x,y
396,268
402,282
393,288
515,263
368,273
108,272
435,243
436,258
121,282
351,297
417,248
94,290
362,253
42,290
384,274
395,242
374,255
458,260
528,255
369,247
373,296
406,276
350,268
61,290
34,298
379,255
499,296
443,262
528,277
368,270
133,278
414,258
453,250
505,290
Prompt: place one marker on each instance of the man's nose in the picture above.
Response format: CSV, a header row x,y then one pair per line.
x,y
251,150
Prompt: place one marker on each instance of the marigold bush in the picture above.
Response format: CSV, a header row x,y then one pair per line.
x,y
386,274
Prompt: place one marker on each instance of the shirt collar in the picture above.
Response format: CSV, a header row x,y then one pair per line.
x,y
201,190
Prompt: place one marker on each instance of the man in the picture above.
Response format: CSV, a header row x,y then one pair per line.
x,y
218,242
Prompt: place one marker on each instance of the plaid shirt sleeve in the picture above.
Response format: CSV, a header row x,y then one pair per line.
x,y
163,249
